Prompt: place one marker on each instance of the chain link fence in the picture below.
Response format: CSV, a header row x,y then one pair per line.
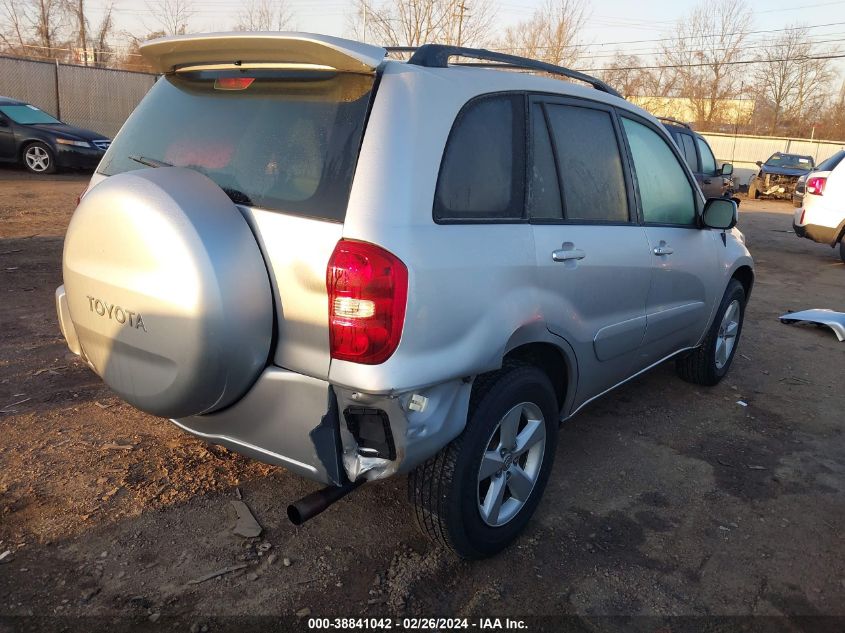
x,y
98,99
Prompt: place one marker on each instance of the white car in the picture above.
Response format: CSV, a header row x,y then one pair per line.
x,y
821,216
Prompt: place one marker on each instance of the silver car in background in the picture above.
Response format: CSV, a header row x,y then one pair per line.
x,y
356,267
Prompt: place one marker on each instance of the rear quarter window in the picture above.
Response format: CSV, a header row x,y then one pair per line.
x,y
286,141
482,174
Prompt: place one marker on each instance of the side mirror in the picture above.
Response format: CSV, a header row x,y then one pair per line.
x,y
759,163
720,213
727,169
3,122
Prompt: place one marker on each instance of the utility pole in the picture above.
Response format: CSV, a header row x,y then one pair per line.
x,y
81,16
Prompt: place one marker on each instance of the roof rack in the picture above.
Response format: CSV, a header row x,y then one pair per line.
x,y
438,55
675,121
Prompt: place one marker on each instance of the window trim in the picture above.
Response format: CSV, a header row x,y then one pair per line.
x,y
698,201
544,99
464,108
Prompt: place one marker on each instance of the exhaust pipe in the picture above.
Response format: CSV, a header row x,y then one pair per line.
x,y
311,505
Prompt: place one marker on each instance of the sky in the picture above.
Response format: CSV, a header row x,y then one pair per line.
x,y
627,25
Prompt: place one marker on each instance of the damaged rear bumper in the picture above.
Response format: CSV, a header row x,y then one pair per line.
x,y
334,435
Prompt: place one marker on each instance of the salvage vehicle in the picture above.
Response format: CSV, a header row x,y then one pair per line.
x,y
821,217
357,267
42,144
714,182
778,176
798,194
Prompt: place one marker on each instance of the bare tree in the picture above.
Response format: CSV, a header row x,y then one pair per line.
x,y
13,26
790,81
49,22
551,34
264,15
703,51
103,52
172,16
417,22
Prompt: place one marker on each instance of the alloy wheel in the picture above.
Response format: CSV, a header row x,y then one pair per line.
x,y
511,464
726,337
37,158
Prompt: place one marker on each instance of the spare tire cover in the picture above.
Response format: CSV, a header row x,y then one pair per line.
x,y
168,291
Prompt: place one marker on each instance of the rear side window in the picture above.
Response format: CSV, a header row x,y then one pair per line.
x,y
831,163
589,164
285,141
482,174
708,163
665,193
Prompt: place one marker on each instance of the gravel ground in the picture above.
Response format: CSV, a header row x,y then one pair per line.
x,y
665,498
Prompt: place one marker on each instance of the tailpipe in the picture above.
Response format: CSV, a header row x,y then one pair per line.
x,y
311,505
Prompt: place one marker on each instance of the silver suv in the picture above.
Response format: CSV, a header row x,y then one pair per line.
x,y
356,267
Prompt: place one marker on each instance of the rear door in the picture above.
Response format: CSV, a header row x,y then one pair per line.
x,y
592,257
683,256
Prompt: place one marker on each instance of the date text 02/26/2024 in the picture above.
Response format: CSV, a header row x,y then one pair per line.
x,y
416,624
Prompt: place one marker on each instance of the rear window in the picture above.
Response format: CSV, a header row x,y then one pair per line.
x,y
284,141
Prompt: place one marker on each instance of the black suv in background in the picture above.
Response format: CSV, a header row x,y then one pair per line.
x,y
42,143
714,182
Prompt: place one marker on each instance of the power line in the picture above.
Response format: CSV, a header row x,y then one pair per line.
x,y
733,63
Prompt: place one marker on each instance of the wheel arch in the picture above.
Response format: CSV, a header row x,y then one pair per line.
x,y
24,144
552,354
744,274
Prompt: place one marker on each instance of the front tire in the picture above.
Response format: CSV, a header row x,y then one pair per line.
x,y
753,194
38,158
478,493
708,364
842,249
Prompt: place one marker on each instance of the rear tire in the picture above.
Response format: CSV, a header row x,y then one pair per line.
x,y
842,250
708,364
504,455
38,158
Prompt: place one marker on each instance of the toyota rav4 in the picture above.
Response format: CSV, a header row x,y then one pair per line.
x,y
356,267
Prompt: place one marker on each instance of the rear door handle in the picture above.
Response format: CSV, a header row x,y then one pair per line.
x,y
566,254
662,250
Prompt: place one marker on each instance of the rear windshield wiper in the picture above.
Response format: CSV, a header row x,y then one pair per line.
x,y
149,162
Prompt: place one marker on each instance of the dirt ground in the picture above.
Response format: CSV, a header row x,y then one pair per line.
x,y
665,499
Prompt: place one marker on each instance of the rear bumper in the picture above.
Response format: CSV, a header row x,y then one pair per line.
x,y
302,423
286,419
821,234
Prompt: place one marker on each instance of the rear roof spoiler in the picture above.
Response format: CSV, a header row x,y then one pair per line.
x,y
168,54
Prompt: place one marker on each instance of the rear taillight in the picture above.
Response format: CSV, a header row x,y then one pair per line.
x,y
368,290
801,221
816,185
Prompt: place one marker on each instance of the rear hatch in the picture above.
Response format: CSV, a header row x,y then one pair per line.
x,y
276,123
